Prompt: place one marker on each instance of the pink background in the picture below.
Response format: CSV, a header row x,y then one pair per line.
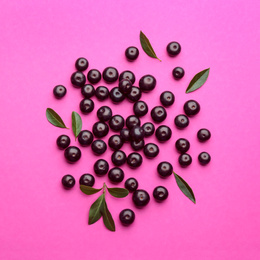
x,y
40,41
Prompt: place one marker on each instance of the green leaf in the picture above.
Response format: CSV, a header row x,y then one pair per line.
x,y
198,80
118,192
89,190
185,188
95,210
147,47
76,123
107,217
54,118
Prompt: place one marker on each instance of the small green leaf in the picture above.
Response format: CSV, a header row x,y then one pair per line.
x,y
118,192
54,118
76,123
107,217
147,47
89,190
95,210
198,80
185,188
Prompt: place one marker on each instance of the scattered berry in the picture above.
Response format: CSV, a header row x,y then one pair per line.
x,y
116,123
167,98
191,108
87,180
104,113
127,217
203,135
78,79
102,93
68,181
141,198
185,160
116,175
86,106
131,53
178,73
81,64
148,129
115,142
163,133
118,158
127,75
116,96
101,167
72,154
158,114
59,91
88,91
182,145
151,150
147,83
110,74
140,108
164,169
98,147
94,76
204,158
100,129
160,193
134,160
63,141
181,121
85,138
131,184
173,49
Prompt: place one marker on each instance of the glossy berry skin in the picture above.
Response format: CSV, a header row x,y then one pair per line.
x,y
59,91
185,160
132,121
104,113
125,86
181,121
182,145
88,91
204,158
63,141
81,64
160,193
102,93
116,175
87,180
203,135
173,49
78,79
164,169
148,129
140,108
127,217
115,142
178,73
101,167
94,76
191,108
110,74
158,114
118,158
85,138
151,150
86,106
98,147
167,98
134,160
137,133
141,198
147,83
163,133
131,184
125,135
134,95
131,53
127,74
116,123
72,154
100,129
68,181
116,95
137,145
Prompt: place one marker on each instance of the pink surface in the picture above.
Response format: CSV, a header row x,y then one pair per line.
x,y
40,41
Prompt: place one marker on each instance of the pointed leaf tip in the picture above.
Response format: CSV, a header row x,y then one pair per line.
x,y
198,80
54,118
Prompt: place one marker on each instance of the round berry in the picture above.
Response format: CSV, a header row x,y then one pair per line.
x,y
115,142
87,180
151,150
164,169
116,95
110,74
81,64
141,198
100,129
127,75
68,181
140,108
167,98
148,129
127,217
88,91
178,73
125,86
137,145
98,147
85,138
86,106
173,49
63,141
78,79
72,154
147,83
125,134
204,158
101,167
134,160
59,91
94,76
131,184
185,160
131,53
181,121
132,121
118,158
104,113
163,133
182,145
102,93
158,114
116,175
116,123
160,193
203,135
191,108
137,133
134,95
